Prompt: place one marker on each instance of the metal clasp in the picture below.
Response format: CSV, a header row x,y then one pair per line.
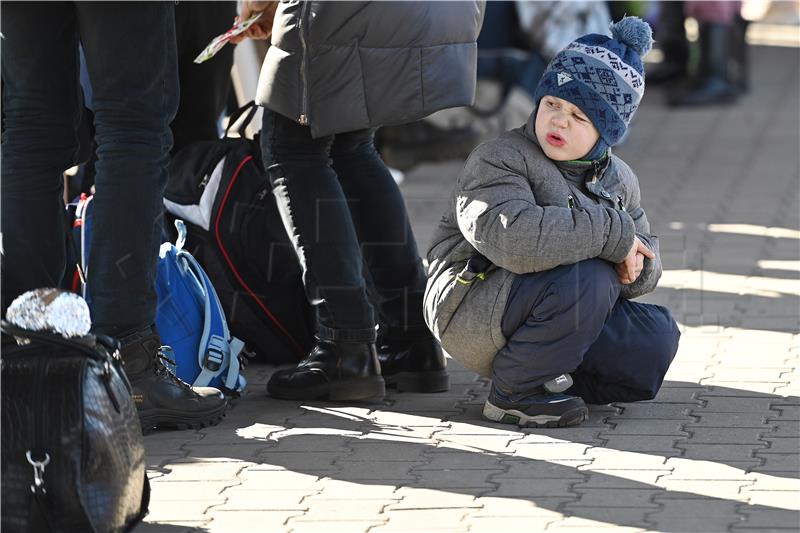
x,y
38,471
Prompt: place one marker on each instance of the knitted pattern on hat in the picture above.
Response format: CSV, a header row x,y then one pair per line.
x,y
602,75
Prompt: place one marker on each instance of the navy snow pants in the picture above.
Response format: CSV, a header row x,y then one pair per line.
x,y
571,320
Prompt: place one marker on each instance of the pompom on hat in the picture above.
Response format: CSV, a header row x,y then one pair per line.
x,y
603,76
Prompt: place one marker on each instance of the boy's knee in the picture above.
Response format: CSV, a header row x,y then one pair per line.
x,y
593,283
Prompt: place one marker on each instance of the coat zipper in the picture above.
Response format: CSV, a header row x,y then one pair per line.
x,y
303,119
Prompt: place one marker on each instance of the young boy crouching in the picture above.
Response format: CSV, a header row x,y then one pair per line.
x,y
533,266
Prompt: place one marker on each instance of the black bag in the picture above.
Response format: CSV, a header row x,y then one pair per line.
x,y
220,189
73,457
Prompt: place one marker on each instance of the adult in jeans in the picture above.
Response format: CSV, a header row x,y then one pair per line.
x,y
135,94
334,73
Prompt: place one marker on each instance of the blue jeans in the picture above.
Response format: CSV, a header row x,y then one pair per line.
x,y
131,59
347,220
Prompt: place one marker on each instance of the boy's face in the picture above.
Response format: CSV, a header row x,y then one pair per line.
x,y
564,132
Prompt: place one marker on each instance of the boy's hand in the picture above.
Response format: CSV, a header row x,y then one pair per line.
x,y
630,267
260,29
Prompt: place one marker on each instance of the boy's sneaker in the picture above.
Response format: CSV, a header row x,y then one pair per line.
x,y
543,409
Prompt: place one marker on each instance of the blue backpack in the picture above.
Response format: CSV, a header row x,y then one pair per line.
x,y
189,318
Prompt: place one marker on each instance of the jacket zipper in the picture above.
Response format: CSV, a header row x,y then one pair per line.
x,y
303,119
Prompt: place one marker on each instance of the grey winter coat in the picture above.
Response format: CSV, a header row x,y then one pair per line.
x,y
346,66
512,205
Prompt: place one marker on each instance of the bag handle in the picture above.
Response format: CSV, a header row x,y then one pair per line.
x,y
57,340
240,119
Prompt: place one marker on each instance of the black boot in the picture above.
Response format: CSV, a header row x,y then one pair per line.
x,y
414,366
162,399
337,371
710,84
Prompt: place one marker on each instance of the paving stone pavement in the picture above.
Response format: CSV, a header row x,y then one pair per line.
x,y
716,450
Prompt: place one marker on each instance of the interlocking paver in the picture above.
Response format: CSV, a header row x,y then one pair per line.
x,y
249,521
728,420
475,480
574,523
424,520
660,444
783,445
301,524
728,489
624,498
613,478
695,524
778,462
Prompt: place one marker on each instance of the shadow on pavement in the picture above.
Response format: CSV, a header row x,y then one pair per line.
x,y
440,442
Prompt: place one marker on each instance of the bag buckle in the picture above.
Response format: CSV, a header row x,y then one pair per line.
x,y
215,354
38,471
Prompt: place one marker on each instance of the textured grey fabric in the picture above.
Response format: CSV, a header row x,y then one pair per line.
x,y
511,204
347,66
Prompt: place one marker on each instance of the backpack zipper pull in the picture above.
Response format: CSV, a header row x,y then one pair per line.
x,y
204,181
570,202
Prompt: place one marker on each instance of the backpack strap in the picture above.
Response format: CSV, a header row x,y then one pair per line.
x,y
82,214
241,118
214,350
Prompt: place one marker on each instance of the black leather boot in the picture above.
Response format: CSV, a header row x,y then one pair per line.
x,y
414,366
710,85
337,371
161,398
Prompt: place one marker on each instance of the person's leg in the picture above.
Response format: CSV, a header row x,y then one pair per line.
x,y
132,68
411,358
41,108
343,365
671,38
550,321
629,359
134,83
710,84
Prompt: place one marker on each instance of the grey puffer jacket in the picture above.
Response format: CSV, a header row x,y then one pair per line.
x,y
514,206
346,66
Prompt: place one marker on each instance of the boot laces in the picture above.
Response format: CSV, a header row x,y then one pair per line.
x,y
165,366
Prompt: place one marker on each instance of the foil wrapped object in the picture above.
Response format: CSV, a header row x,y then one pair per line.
x,y
52,310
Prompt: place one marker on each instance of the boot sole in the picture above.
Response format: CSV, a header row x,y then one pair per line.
x,y
372,388
430,381
573,417
168,419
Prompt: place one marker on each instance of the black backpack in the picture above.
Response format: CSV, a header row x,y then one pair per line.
x,y
220,189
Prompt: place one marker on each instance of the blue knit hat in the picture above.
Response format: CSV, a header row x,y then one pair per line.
x,y
603,76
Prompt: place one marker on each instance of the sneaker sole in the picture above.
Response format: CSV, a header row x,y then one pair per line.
x,y
573,417
356,389
163,419
431,381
